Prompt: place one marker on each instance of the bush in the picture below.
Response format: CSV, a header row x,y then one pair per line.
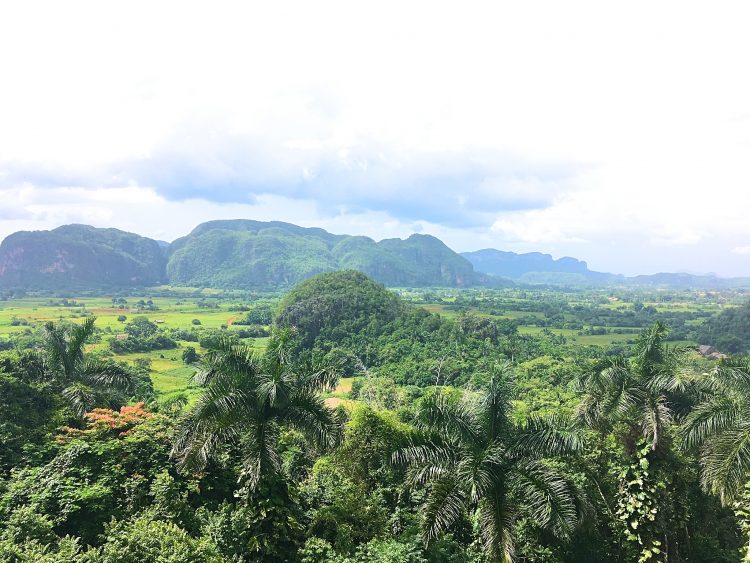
x,y
143,539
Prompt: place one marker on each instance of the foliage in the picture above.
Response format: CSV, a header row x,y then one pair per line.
x,y
86,381
729,331
638,506
249,398
264,525
642,394
474,458
720,427
143,539
273,457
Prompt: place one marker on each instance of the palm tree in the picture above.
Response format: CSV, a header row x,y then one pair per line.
x,y
248,399
86,381
720,428
475,459
638,396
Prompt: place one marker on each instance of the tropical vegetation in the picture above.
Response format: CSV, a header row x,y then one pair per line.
x,y
373,426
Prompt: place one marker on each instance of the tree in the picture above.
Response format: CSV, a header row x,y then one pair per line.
x,y
720,428
639,396
141,327
637,399
86,381
250,398
475,458
189,355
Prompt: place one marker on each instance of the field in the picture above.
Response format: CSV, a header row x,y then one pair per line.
x,y
581,318
169,374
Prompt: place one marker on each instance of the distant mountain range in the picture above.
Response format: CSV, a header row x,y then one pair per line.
x,y
248,254
538,268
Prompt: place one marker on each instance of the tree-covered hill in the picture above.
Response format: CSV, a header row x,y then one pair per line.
x,y
79,257
253,254
351,318
336,306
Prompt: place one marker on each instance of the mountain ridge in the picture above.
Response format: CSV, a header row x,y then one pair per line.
x,y
250,254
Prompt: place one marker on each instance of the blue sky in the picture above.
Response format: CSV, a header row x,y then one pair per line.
x,y
616,134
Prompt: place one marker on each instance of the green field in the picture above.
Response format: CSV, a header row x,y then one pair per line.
x,y
534,312
168,373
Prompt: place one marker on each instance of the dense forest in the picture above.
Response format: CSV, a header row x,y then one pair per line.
x,y
460,438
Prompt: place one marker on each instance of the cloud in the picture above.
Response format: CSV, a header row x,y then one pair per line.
x,y
455,188
514,125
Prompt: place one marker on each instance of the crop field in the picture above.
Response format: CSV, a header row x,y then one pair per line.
x,y
168,372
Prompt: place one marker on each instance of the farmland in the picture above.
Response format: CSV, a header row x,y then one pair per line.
x,y
575,319
22,319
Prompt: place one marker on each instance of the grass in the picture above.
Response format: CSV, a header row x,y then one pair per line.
x,y
169,375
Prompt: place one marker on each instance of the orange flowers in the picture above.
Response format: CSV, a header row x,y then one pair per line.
x,y
99,420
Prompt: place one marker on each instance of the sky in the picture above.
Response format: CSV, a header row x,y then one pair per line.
x,y
617,133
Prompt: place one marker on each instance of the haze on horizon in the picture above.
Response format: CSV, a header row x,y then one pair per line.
x,y
619,135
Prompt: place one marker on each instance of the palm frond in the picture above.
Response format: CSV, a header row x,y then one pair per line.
x,y
726,462
108,376
56,348
308,412
197,442
496,519
496,405
446,502
439,413
547,437
261,457
656,417
228,360
709,419
79,335
425,451
649,349
547,495
80,397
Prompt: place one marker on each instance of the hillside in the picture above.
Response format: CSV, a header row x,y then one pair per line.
x,y
79,257
253,254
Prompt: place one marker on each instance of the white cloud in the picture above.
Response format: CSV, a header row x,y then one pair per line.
x,y
644,102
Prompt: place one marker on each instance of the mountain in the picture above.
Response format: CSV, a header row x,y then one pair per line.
x,y
247,254
535,267
253,254
79,257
